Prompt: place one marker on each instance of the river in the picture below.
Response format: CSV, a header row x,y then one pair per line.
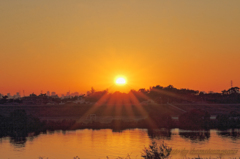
x,y
97,144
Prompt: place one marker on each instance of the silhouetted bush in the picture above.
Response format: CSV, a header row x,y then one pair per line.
x,y
156,152
159,120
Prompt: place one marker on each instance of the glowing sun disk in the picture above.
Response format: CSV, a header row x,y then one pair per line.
x,y
120,81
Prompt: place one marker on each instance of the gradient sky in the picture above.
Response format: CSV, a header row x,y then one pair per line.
x,y
62,45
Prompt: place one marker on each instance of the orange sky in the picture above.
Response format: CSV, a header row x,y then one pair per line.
x,y
74,45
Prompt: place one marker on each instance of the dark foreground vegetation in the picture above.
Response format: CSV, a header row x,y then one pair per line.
x,y
154,151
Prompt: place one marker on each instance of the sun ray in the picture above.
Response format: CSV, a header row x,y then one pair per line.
x,y
109,106
95,106
114,104
128,107
150,122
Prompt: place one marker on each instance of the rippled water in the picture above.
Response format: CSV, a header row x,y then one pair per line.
x,y
95,144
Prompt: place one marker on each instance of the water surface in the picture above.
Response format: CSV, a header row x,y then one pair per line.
x,y
97,144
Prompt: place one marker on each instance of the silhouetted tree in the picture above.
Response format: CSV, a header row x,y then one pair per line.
x,y
195,119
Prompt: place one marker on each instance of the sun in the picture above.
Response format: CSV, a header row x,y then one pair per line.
x,y
120,81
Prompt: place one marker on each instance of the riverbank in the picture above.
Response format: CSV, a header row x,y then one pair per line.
x,y
19,123
106,113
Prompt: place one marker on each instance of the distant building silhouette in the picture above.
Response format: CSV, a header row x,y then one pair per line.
x,y
9,95
68,94
17,96
62,96
74,94
53,94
